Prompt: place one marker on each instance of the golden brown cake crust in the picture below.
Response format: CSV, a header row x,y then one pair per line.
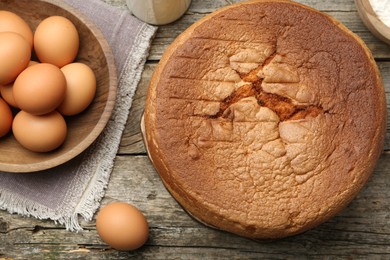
x,y
265,118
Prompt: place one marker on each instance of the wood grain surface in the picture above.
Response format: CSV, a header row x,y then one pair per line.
x,y
361,231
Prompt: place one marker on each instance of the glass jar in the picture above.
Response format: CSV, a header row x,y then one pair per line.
x,y
158,12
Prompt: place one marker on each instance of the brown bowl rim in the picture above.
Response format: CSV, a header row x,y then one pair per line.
x,y
371,20
105,116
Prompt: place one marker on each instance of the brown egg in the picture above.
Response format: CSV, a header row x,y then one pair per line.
x,y
56,41
7,94
39,133
15,55
5,118
80,88
40,89
122,226
7,90
11,22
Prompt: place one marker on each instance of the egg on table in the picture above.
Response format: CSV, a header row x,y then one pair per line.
x,y
122,226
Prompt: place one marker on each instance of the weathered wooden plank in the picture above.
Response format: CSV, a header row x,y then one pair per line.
x,y
167,33
164,253
360,230
207,6
132,139
344,11
384,67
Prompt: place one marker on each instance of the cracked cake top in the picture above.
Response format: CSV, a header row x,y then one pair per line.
x,y
265,118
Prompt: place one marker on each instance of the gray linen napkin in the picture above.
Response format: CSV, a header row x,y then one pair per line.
x,y
77,187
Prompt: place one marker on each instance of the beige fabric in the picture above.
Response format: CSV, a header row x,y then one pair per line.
x,y
76,188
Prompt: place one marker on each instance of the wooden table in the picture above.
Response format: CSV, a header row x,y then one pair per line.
x,y
362,230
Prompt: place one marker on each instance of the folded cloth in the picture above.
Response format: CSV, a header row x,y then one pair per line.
x,y
76,188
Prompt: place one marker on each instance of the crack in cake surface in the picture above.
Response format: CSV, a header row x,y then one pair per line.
x,y
283,106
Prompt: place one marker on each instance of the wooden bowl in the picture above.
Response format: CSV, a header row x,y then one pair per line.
x,y
83,129
371,20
